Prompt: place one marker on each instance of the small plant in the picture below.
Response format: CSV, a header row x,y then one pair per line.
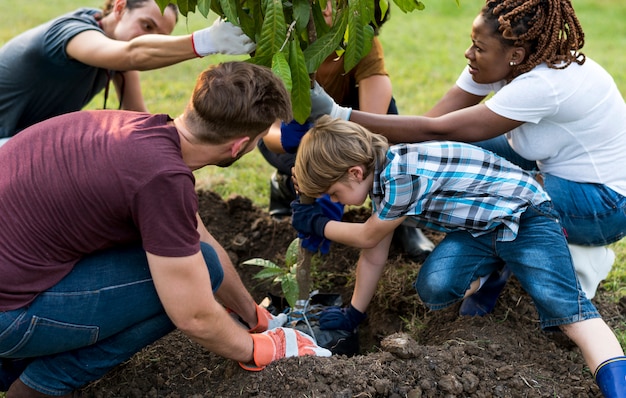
x,y
285,275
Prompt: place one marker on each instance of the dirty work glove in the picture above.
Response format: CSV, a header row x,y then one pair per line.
x,y
346,318
323,104
281,343
308,219
267,321
222,37
291,134
332,210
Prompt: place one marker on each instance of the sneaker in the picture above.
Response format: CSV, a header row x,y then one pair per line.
x,y
484,300
592,265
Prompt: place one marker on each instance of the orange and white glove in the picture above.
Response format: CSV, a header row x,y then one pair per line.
x,y
281,343
267,321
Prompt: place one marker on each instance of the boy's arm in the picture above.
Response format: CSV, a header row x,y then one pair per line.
x,y
368,272
367,235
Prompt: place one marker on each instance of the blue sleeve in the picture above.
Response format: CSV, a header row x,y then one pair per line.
x,y
291,134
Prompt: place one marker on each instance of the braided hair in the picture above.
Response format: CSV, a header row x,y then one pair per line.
x,y
548,29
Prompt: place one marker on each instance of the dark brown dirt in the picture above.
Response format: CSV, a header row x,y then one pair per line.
x,y
501,355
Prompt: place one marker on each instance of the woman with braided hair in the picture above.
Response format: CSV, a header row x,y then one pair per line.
x,y
554,111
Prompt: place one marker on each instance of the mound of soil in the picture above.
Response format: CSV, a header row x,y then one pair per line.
x,y
406,350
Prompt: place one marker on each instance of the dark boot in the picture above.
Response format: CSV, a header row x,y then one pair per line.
x,y
414,243
282,194
21,390
10,370
484,300
611,377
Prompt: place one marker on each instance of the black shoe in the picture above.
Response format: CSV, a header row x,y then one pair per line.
x,y
10,370
414,243
483,301
282,194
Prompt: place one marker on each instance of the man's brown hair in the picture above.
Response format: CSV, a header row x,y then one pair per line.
x,y
236,99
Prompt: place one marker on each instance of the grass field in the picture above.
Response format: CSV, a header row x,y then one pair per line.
x,y
424,54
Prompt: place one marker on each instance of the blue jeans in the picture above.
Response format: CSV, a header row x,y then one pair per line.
x,y
538,257
591,214
103,312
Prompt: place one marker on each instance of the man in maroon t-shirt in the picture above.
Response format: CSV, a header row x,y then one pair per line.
x,y
102,251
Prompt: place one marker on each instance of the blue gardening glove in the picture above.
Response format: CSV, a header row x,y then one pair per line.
x,y
323,104
308,219
332,210
291,134
346,318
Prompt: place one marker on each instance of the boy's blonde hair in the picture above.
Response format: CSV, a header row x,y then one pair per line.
x,y
330,148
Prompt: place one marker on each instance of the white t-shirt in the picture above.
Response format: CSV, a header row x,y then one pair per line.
x,y
575,121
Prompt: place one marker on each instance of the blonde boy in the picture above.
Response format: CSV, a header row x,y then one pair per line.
x,y
493,213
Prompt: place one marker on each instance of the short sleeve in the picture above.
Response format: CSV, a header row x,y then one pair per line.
x,y
165,213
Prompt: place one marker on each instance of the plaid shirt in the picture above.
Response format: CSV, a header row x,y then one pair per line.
x,y
451,186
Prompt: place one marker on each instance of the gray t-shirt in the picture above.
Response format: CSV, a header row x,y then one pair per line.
x,y
38,80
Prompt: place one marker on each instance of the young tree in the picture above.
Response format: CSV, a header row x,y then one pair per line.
x,y
292,37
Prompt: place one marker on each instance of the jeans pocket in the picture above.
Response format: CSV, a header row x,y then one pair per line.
x,y
46,336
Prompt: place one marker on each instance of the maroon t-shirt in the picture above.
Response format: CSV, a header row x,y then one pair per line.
x,y
87,181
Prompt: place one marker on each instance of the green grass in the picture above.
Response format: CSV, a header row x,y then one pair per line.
x,y
424,54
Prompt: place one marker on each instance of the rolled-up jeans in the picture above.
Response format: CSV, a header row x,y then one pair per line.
x,y
538,257
103,312
591,214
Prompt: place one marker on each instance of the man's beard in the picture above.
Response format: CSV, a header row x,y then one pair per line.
x,y
229,162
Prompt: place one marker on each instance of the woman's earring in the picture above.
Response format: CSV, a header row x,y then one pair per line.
x,y
512,63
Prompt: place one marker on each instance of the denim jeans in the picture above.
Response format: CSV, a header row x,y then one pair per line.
x,y
538,257
591,214
104,311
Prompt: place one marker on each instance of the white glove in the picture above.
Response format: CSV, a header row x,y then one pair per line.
x,y
222,37
323,104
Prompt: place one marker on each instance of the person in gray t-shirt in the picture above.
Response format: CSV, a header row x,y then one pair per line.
x,y
59,66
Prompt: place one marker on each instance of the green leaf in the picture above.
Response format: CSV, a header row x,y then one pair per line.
x,y
280,67
301,83
229,8
291,256
268,273
263,61
255,10
384,7
357,48
321,27
163,4
290,289
301,14
204,7
409,5
273,31
187,6
356,37
317,52
246,22
366,8
261,262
